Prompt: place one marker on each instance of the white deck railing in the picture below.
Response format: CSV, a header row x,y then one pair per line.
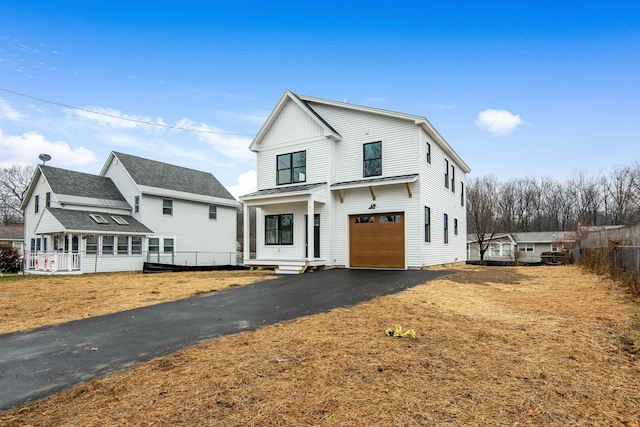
x,y
52,261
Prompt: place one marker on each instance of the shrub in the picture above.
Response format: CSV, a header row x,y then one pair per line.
x,y
10,259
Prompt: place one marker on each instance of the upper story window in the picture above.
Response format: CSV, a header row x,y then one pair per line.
x,y
373,159
136,204
278,229
453,178
47,199
428,153
36,207
213,212
167,207
292,167
446,173
461,193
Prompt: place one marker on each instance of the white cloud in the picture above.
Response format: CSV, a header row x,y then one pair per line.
x,y
247,183
25,148
230,145
116,119
498,122
6,112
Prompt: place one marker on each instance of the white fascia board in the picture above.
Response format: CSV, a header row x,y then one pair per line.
x,y
107,164
32,185
433,133
374,184
274,199
65,199
181,195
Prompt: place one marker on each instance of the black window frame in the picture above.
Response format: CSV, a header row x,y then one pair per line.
x,y
292,176
455,226
280,227
461,193
446,228
47,199
366,161
453,178
428,153
36,207
446,173
427,224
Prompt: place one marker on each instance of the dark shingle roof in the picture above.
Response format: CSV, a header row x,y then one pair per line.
x,y
81,221
171,177
284,190
72,183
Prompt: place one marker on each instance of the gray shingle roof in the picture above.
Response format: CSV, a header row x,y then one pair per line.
x,y
63,181
11,232
81,221
171,177
284,190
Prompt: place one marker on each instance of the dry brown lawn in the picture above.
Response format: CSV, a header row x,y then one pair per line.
x,y
543,346
40,301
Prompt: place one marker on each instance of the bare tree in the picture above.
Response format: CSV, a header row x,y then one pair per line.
x,y
14,181
483,219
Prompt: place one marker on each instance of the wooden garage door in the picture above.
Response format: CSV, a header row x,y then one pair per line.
x,y
376,240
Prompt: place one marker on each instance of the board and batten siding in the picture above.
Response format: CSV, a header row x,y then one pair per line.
x,y
217,235
441,200
292,124
400,148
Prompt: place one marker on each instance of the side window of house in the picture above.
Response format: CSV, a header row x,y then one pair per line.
x,y
47,200
154,244
428,153
446,173
427,224
446,228
453,178
92,245
291,168
213,212
36,204
123,245
167,245
278,229
107,245
455,226
136,204
167,207
461,193
136,245
372,157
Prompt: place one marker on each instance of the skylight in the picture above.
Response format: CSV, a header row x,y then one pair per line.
x,y
99,219
119,220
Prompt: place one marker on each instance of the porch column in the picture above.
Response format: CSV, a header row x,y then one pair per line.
x,y
246,247
310,228
69,252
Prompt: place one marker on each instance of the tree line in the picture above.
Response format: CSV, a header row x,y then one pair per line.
x,y
545,204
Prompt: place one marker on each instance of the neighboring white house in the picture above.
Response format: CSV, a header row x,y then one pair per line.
x,y
136,210
526,247
384,189
14,235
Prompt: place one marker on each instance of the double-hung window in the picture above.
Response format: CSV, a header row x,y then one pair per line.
x,y
154,244
168,245
427,224
453,178
372,157
213,212
107,245
136,204
446,228
47,199
526,247
36,207
92,245
123,245
136,245
279,229
428,153
167,207
292,168
461,193
455,226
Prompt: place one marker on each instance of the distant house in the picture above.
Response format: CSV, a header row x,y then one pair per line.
x,y
14,235
527,247
136,210
345,185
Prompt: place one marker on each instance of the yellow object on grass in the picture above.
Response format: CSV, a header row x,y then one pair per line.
x,y
398,332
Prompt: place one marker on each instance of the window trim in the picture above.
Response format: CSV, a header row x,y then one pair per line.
x,y
155,245
453,178
36,207
215,213
278,230
136,204
526,247
90,240
446,173
292,176
365,160
119,245
428,153
455,226
461,193
113,245
172,247
47,199
136,249
164,208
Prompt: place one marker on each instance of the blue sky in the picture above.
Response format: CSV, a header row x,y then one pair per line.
x,y
541,89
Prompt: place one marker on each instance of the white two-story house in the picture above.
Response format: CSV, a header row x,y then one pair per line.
x,y
136,210
384,189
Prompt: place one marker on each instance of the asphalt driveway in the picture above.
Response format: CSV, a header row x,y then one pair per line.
x,y
47,360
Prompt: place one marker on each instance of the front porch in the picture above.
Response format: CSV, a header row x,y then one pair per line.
x,y
61,262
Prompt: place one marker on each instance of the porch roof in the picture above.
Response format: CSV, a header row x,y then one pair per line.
x,y
399,179
291,190
57,220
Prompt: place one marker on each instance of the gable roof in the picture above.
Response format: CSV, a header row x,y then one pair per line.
x,y
12,232
306,103
329,131
69,220
151,173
